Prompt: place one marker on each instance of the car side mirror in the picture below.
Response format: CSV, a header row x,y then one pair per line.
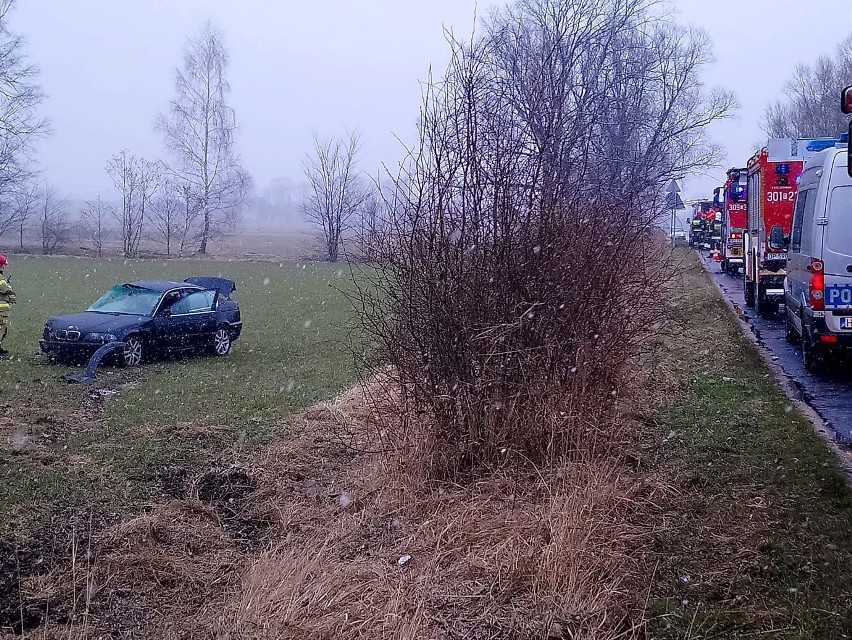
x,y
166,313
776,237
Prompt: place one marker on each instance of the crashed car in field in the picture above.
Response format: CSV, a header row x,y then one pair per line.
x,y
150,317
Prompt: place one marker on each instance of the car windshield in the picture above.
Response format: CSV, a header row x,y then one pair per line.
x,y
128,299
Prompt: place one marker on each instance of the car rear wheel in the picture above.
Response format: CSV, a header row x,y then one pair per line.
x,y
132,353
222,342
812,355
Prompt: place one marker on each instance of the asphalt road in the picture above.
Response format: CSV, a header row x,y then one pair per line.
x,y
828,393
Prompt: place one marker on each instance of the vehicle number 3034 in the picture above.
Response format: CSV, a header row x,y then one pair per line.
x,y
780,196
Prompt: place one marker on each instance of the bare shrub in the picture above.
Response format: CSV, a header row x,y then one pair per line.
x,y
519,270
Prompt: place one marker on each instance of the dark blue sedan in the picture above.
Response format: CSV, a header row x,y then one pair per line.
x,y
151,317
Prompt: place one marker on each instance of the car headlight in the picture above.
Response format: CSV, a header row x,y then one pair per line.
x,y
100,337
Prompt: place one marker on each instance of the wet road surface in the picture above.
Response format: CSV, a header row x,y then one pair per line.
x,y
828,393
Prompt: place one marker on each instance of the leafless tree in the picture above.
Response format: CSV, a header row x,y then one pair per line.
x,y
95,217
519,266
171,218
809,108
55,228
199,133
370,216
16,208
26,203
136,180
20,96
336,193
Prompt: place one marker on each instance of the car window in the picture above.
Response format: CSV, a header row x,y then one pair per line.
x,y
838,236
194,303
798,221
808,215
127,299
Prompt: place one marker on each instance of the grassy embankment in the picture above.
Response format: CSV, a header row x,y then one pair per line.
x,y
755,539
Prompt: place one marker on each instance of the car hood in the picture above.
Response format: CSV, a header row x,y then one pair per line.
x,y
89,321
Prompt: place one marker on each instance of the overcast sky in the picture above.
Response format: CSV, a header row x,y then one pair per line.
x,y
299,66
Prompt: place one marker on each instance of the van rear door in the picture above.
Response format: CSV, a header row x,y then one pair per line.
x,y
837,244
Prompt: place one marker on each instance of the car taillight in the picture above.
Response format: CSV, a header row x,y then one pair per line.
x,y
816,288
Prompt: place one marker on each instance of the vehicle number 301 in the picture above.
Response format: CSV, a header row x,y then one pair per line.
x,y
780,196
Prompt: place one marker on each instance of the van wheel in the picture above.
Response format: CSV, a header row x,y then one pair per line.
x,y
790,333
812,356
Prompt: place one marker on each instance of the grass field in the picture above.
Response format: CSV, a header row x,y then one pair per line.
x,y
70,443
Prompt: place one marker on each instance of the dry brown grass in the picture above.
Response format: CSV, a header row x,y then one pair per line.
x,y
516,554
513,555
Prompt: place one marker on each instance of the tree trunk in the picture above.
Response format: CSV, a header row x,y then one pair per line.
x,y
205,234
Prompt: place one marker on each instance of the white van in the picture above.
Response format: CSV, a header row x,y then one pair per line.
x,y
818,287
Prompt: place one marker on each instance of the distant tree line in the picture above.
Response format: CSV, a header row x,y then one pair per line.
x,y
181,203
810,106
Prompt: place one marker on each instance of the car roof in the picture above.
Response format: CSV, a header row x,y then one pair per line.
x,y
163,285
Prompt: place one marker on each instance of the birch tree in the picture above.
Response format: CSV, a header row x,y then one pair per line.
x,y
199,133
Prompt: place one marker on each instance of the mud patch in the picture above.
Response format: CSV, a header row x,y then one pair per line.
x,y
171,482
228,491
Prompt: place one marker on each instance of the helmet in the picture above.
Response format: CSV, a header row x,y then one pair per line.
x,y
2,261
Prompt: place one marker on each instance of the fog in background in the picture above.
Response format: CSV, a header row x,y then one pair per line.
x,y
757,45
296,67
327,65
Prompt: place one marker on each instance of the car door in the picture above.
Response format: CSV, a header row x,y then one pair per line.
x,y
192,319
837,246
162,335
799,258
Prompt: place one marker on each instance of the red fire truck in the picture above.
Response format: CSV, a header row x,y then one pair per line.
x,y
773,174
771,195
734,218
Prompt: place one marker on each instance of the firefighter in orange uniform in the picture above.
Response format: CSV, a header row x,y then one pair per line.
x,y
7,299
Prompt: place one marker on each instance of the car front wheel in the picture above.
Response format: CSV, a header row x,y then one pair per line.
x,y
131,356
222,342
